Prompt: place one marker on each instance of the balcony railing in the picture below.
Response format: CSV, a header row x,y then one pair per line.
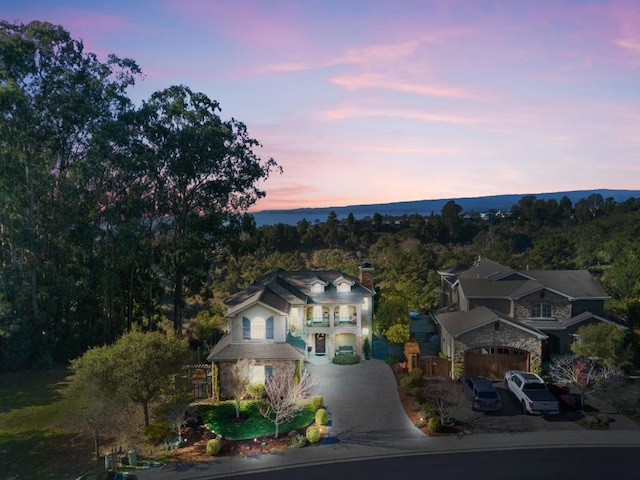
x,y
317,322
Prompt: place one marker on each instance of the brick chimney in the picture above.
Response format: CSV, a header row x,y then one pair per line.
x,y
366,275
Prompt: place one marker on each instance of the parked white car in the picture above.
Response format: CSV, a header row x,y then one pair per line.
x,y
531,392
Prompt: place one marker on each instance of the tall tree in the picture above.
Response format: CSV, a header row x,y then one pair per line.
x,y
54,99
204,170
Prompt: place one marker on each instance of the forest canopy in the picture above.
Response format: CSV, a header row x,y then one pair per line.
x,y
115,217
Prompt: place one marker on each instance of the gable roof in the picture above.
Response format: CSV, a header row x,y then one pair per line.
x,y
280,290
489,279
457,323
227,351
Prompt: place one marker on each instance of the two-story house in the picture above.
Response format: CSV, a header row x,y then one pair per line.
x,y
494,318
285,317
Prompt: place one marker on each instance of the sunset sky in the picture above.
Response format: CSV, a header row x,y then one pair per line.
x,y
373,101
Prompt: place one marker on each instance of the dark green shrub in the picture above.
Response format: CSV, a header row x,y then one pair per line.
x,y
429,410
406,382
313,435
416,373
392,360
411,382
213,447
420,395
346,359
255,390
322,416
435,424
298,441
317,402
157,432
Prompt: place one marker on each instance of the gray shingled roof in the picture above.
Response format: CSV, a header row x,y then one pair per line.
x,y
574,283
456,322
486,268
485,288
489,279
563,324
281,289
256,351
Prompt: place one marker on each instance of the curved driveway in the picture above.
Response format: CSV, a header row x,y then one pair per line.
x,y
363,403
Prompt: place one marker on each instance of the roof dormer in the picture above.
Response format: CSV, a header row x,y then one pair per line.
x,y
343,284
316,285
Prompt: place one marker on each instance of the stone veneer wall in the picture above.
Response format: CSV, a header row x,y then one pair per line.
x,y
288,366
561,306
507,336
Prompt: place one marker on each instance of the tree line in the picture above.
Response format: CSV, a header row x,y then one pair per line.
x,y
115,216
109,212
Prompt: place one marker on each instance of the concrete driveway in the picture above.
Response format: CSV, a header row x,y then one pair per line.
x,y
363,403
510,418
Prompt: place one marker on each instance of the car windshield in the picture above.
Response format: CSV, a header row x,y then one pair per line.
x,y
493,395
533,386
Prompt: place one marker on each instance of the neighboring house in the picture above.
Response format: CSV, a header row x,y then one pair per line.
x,y
287,316
494,318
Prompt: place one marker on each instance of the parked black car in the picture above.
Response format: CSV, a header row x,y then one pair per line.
x,y
108,476
482,394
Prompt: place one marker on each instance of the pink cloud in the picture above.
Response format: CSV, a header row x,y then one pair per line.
x,y
373,80
358,112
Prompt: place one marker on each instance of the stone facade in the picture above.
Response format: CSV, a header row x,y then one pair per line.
x,y
507,336
561,307
278,366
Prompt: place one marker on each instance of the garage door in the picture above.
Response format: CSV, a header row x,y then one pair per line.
x,y
494,362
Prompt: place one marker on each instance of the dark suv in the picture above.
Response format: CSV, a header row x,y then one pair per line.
x,y
108,476
482,394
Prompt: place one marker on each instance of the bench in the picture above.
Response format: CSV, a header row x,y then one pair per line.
x,y
345,350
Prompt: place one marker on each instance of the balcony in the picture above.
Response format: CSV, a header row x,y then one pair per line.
x,y
346,322
318,322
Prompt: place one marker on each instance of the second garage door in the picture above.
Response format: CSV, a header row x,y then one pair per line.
x,y
494,362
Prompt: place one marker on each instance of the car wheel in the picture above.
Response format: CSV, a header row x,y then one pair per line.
x,y
524,408
506,385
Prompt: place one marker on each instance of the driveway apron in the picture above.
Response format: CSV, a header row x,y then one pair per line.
x,y
363,403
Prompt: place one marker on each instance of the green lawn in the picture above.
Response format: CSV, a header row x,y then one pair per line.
x,y
220,418
34,443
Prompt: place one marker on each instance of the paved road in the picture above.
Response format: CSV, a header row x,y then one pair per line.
x,y
566,463
363,402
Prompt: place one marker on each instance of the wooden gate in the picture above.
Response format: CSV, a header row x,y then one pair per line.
x,y
494,362
434,366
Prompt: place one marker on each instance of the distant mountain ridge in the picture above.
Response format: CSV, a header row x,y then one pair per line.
x,y
427,207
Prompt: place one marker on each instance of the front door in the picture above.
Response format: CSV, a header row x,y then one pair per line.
x,y
321,344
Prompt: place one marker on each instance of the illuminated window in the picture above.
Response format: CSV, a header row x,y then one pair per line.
x,y
542,310
258,328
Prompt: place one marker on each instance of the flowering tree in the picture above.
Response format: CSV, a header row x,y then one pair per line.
x,y
584,374
240,378
284,397
447,395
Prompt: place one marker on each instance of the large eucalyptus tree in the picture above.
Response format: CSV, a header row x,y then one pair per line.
x,y
202,172
54,99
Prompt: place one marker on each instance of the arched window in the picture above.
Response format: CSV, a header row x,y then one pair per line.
x,y
269,328
246,328
258,328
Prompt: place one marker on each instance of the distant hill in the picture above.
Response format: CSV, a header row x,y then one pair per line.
x,y
427,207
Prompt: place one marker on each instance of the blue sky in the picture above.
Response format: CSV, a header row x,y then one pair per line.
x,y
381,101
